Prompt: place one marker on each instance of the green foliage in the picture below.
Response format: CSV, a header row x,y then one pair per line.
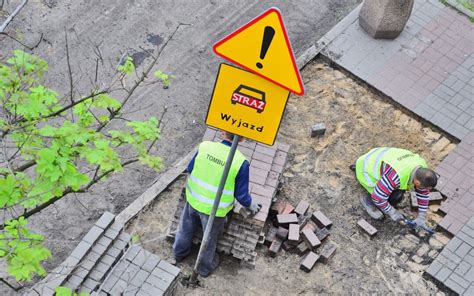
x,y
127,67
66,146
164,78
64,291
23,250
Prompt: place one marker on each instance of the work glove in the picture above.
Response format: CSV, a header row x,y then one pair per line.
x,y
254,207
395,215
420,220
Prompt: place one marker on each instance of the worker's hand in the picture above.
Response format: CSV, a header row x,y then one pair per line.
x,y
395,215
420,220
254,207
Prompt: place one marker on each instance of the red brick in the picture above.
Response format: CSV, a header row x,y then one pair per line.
x,y
282,233
309,225
273,179
369,229
302,207
327,252
309,261
310,238
288,208
287,219
294,233
274,248
321,220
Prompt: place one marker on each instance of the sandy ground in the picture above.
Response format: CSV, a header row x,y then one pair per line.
x,y
108,30
357,119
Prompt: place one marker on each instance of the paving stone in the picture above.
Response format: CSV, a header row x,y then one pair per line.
x,y
454,286
443,274
139,278
150,290
287,219
141,257
309,261
105,220
282,233
318,130
132,252
157,282
294,233
322,233
434,268
321,220
369,229
107,260
151,262
302,248
81,250
274,248
169,268
327,252
271,234
310,238
302,207
164,275
104,241
93,234
463,249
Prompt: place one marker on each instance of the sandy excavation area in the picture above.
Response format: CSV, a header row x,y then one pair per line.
x,y
357,119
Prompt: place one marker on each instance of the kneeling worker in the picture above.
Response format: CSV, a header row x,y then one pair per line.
x,y
205,170
386,173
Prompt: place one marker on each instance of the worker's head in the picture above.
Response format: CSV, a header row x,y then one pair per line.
x,y
425,178
230,136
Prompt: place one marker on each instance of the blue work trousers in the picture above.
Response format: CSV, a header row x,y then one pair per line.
x,y
190,219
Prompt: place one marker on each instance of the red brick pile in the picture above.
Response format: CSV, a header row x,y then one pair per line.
x,y
297,232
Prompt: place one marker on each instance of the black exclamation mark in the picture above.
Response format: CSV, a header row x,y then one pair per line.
x,y
268,34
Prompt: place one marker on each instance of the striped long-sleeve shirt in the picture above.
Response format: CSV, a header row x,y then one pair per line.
x,y
389,182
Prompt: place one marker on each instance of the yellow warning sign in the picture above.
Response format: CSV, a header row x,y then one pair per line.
x,y
246,104
262,46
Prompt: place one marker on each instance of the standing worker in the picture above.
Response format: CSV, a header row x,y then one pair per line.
x,y
386,173
206,170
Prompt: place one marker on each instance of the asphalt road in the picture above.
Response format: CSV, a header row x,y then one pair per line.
x,y
108,30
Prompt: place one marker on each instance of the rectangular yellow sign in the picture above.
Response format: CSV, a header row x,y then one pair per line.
x,y
246,104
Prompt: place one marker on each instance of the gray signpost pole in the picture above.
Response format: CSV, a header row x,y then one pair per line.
x,y
210,222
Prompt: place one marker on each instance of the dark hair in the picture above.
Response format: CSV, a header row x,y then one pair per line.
x,y
426,177
229,135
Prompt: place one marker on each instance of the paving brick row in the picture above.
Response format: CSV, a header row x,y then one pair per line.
x,y
454,266
242,234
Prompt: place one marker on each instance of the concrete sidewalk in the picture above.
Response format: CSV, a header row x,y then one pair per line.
x,y
428,69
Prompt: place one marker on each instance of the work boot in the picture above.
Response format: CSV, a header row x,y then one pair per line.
x,y
370,208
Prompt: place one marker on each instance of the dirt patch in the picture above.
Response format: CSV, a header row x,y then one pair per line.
x,y
357,120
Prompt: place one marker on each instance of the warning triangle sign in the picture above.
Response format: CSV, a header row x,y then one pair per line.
x,y
262,46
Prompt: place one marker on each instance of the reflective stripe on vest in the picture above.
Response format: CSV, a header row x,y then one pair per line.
x,y
401,160
202,184
206,200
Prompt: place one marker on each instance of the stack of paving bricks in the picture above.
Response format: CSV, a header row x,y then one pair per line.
x,y
140,272
457,184
295,231
242,233
90,262
454,266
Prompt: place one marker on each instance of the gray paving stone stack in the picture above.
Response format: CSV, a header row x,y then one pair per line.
x,y
454,266
140,272
241,234
91,261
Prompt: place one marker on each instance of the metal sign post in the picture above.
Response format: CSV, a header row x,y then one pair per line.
x,y
210,221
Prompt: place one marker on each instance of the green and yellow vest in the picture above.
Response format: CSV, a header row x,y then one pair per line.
x,y
401,160
204,180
